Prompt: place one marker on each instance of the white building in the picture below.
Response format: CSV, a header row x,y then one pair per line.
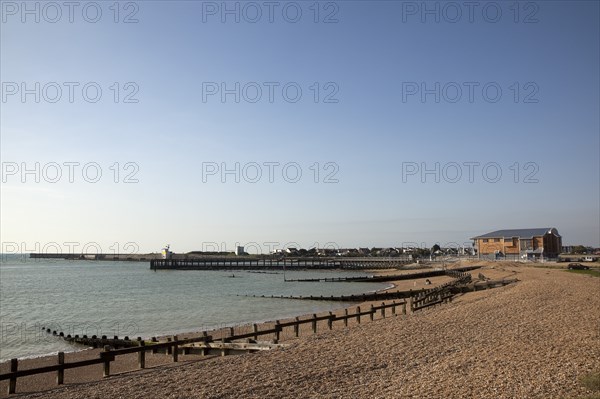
x,y
166,253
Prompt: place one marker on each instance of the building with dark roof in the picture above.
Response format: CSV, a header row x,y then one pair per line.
x,y
535,243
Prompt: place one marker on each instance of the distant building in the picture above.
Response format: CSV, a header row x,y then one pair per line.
x,y
239,250
291,251
535,243
166,252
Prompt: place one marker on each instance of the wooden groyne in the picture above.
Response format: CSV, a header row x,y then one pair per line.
x,y
93,341
369,297
394,277
419,298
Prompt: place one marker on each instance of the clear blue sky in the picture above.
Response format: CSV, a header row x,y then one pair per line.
x,y
374,63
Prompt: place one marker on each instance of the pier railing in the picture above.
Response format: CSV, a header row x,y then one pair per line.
x,y
202,345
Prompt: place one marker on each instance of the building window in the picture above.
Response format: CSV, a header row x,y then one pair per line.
x,y
526,244
485,240
496,240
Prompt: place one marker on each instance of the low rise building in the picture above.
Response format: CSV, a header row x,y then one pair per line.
x,y
533,244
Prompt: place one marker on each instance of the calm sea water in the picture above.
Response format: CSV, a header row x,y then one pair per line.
x,y
127,298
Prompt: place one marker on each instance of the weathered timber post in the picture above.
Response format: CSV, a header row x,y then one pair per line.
x,y
255,331
346,317
330,320
154,340
358,314
383,310
60,374
106,371
297,327
169,348
314,323
12,383
277,331
142,356
231,331
203,351
175,349
394,308
404,308
372,314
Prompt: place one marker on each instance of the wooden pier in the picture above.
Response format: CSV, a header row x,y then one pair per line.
x,y
272,263
243,263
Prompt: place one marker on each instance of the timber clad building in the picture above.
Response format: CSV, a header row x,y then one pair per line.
x,y
520,243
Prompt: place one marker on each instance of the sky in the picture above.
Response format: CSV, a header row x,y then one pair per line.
x,y
126,126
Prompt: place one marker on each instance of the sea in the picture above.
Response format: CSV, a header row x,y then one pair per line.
x,y
128,299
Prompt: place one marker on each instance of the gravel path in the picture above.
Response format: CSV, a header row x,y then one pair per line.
x,y
533,339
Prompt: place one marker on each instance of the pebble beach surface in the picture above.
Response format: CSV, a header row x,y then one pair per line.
x,y
532,339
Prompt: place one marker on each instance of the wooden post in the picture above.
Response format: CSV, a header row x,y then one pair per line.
x,y
277,331
404,308
12,383
330,320
297,327
382,310
142,356
372,314
205,342
346,317
394,308
358,314
231,331
175,350
106,372
314,323
255,330
169,348
60,374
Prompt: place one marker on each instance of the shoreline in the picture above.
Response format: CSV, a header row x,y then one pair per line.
x,y
393,286
50,347
163,336
186,333
463,305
